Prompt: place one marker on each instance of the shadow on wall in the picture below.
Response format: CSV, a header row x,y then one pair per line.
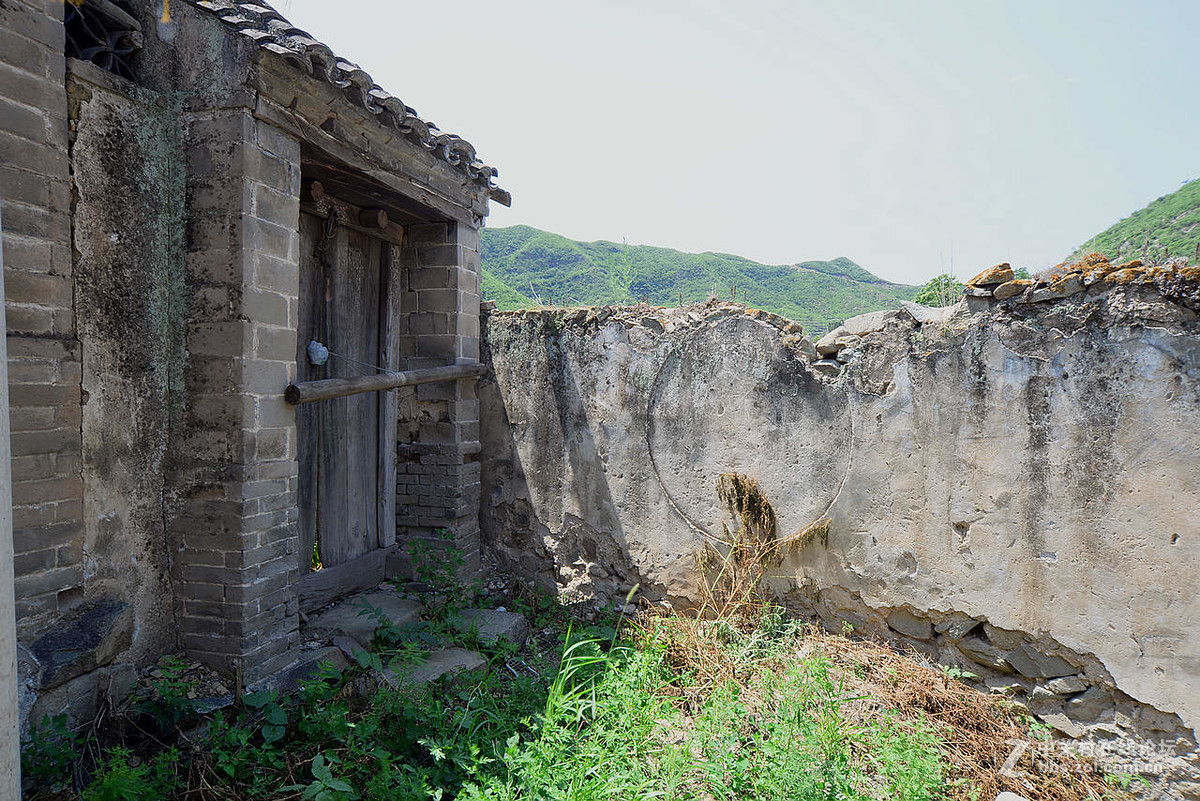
x,y
581,560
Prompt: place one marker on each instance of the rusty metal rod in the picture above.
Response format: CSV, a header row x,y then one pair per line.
x,y
310,391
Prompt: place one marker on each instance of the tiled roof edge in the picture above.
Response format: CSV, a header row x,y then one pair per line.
x,y
267,28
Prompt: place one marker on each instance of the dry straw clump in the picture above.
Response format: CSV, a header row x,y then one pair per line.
x,y
735,565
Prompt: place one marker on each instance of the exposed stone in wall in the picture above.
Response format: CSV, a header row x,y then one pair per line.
x,y
1011,490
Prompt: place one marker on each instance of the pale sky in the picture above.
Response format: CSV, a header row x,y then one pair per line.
x,y
911,137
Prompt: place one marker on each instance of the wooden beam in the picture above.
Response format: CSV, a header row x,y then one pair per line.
x,y
328,584
310,391
373,218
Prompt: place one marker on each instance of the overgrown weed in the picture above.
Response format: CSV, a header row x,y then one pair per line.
x,y
734,700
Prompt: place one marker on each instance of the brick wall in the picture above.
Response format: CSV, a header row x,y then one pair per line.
x,y
237,524
438,486
44,366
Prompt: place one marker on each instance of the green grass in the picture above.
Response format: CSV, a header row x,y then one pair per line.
x,y
1168,226
582,714
522,264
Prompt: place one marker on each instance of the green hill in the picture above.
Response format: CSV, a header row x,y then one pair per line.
x,y
521,264
1168,226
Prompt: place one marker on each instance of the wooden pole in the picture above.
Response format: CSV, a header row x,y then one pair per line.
x,y
310,391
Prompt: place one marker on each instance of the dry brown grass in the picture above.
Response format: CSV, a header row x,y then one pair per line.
x,y
979,731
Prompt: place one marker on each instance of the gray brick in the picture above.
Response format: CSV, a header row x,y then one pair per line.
x,y
49,581
282,208
269,169
437,346
430,278
438,300
64,440
37,92
274,343
41,395
210,575
34,561
41,27
267,237
431,233
203,592
24,53
218,339
276,274
441,255
23,121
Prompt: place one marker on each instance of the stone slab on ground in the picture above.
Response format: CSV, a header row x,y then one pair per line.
x,y
1067,685
287,680
347,617
829,367
439,663
930,315
906,622
493,624
348,646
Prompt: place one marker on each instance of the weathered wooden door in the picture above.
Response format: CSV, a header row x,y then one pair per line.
x,y
346,446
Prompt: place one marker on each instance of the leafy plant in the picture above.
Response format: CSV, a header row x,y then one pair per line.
x,y
168,702
232,756
437,568
274,716
124,778
48,756
954,672
324,786
942,290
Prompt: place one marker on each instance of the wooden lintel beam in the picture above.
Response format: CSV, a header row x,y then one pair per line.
x,y
311,391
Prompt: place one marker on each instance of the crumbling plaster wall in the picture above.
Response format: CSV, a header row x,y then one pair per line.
x,y
1036,470
127,168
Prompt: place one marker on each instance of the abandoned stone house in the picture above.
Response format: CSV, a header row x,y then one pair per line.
x,y
192,193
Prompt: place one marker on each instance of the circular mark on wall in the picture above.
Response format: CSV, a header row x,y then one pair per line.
x,y
732,398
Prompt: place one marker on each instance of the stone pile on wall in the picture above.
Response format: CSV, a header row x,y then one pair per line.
x,y
1010,481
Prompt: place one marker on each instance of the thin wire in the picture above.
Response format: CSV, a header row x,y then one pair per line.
x,y
364,364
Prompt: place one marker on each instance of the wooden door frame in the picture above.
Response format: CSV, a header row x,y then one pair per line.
x,y
316,589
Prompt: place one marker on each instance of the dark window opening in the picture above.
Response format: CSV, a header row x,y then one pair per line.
x,y
102,33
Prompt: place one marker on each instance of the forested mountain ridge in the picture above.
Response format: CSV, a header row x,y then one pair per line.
x,y
1166,228
524,265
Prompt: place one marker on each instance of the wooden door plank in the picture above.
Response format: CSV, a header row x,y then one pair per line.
x,y
389,357
335,518
308,327
357,292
